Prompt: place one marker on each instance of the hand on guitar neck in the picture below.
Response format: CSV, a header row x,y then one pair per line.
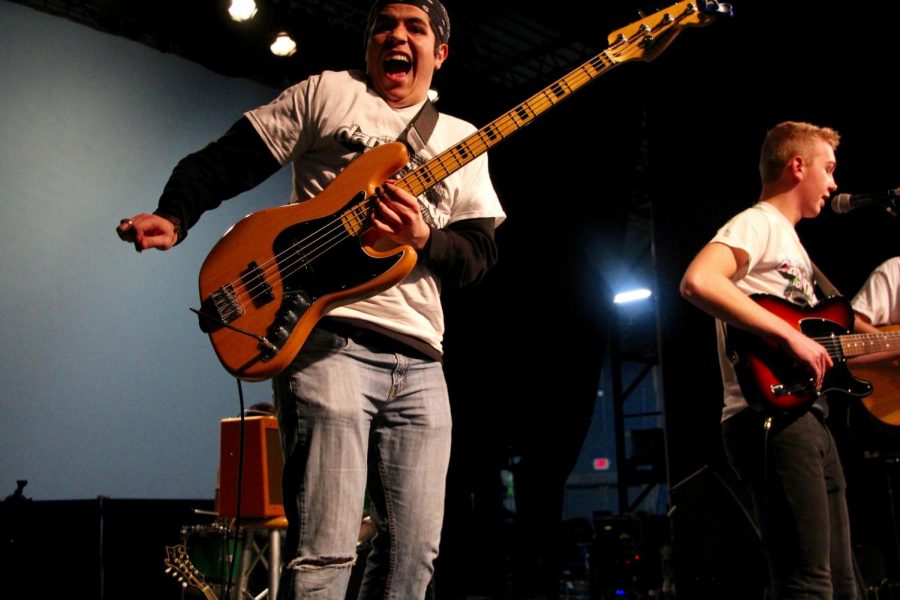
x,y
862,325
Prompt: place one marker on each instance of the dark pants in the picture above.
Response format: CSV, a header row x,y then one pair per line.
x,y
798,487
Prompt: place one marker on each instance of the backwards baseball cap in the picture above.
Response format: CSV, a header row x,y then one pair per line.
x,y
440,21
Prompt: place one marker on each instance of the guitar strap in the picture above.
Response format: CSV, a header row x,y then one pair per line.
x,y
419,129
820,408
415,136
828,288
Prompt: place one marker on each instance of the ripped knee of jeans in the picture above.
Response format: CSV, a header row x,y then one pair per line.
x,y
314,563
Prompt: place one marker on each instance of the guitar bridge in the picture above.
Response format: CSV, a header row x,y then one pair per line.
x,y
779,390
219,309
227,306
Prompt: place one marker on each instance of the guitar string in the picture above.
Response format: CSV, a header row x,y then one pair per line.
x,y
306,251
316,244
572,78
881,341
504,126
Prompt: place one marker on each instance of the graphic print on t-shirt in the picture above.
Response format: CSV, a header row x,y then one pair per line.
x,y
354,139
799,288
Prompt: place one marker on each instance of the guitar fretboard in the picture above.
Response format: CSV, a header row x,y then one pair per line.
x,y
644,42
858,344
449,161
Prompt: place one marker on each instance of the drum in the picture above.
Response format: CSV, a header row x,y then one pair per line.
x,y
212,550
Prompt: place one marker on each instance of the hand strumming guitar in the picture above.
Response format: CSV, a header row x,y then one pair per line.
x,y
399,217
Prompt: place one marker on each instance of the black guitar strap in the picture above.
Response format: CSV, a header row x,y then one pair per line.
x,y
415,136
419,129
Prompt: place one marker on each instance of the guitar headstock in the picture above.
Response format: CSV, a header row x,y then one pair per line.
x,y
647,38
180,566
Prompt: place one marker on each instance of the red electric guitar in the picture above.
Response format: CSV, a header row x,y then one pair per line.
x,y
771,380
267,282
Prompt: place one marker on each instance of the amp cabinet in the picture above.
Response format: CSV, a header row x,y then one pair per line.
x,y
263,463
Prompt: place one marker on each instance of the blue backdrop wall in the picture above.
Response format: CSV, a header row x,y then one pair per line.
x,y
107,386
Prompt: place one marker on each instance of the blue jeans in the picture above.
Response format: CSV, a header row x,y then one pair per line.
x,y
798,488
354,412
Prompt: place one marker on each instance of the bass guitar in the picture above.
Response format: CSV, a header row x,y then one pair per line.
x,y
276,272
773,381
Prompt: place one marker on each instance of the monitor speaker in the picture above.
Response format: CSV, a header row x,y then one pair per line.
x,y
263,463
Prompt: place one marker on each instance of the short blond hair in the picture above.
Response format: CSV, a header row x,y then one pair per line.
x,y
787,140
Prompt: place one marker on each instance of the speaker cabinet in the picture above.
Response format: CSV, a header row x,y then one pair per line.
x,y
263,463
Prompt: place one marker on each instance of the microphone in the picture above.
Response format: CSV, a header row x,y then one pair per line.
x,y
844,203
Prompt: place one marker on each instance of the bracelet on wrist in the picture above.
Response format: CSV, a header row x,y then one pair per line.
x,y
180,232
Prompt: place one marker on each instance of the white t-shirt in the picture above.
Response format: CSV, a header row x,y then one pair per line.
x,y
778,265
879,297
321,124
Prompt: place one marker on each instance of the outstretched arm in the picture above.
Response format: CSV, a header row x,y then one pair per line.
x,y
235,163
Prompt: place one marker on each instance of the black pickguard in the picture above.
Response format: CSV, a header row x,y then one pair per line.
x,y
318,257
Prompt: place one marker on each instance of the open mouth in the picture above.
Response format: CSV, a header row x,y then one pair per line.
x,y
397,66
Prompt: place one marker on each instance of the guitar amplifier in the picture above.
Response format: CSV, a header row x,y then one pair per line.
x,y
263,463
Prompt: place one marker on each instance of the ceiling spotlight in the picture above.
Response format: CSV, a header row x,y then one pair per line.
x,y
631,296
283,45
242,10
433,95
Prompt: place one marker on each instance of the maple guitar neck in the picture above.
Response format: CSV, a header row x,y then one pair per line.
x,y
643,40
451,160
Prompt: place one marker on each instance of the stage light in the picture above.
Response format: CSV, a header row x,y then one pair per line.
x,y
631,296
433,95
283,45
242,10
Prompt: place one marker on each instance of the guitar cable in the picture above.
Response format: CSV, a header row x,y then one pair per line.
x,y
764,508
236,527
262,340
